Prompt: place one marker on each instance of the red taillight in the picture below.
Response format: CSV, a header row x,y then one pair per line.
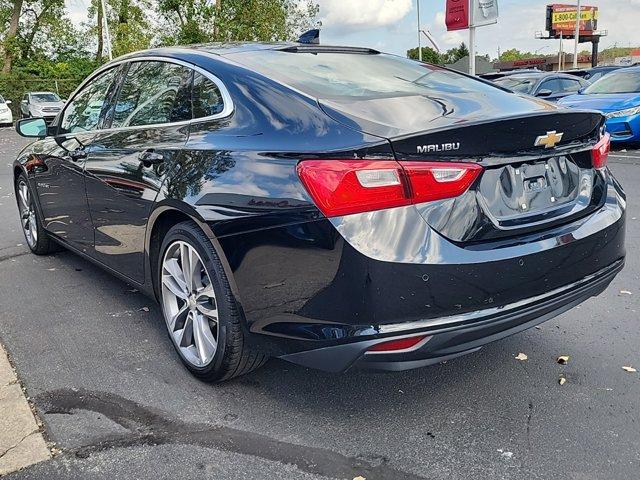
x,y
397,345
343,187
600,152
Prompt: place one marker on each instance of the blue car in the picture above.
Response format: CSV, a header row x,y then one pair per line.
x,y
617,96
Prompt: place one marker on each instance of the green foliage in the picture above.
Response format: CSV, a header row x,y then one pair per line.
x,y
429,55
454,54
514,54
200,21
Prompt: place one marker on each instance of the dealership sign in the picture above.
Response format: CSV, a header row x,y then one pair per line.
x,y
561,20
462,14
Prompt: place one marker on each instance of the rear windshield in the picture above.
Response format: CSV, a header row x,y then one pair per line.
x,y
44,97
1,99
616,82
518,84
330,75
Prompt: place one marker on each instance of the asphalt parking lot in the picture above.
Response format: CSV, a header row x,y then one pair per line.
x,y
116,402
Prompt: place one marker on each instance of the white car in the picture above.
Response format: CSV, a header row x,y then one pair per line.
x,y
6,117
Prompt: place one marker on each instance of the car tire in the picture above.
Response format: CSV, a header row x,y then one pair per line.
x,y
38,240
191,302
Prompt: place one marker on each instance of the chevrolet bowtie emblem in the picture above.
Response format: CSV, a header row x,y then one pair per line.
x,y
549,140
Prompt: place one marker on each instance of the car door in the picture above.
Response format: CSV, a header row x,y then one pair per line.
x,y
59,175
148,126
24,105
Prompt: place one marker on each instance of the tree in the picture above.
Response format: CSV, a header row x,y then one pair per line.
x,y
429,55
514,54
198,21
9,43
454,54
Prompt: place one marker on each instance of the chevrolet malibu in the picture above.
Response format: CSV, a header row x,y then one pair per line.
x,y
335,207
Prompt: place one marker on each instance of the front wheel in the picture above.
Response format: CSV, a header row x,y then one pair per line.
x,y
199,309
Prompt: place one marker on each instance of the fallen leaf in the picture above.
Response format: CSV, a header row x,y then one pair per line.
x,y
625,292
522,357
144,309
629,369
51,269
359,478
563,359
562,381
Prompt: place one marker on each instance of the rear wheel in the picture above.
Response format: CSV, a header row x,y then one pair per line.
x,y
37,238
202,318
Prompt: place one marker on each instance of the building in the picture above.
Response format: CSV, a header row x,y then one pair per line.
x,y
546,64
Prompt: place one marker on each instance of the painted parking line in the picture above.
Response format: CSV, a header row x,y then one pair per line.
x,y
21,442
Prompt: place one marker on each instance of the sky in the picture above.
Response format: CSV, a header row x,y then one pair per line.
x,y
391,25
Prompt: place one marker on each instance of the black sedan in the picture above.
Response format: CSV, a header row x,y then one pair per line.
x,y
550,86
330,206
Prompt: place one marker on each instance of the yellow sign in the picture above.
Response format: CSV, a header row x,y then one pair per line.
x,y
567,17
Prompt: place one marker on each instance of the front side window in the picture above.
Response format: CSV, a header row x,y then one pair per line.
x,y
206,97
569,85
552,85
517,84
83,112
153,93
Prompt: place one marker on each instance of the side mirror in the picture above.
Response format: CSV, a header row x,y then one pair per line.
x,y
23,102
544,93
581,91
7,102
32,127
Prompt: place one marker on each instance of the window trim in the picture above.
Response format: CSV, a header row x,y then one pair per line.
x,y
228,106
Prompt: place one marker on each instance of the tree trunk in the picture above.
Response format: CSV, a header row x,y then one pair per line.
x,y
11,35
100,32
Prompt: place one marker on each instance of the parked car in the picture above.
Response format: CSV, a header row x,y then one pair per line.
x,y
6,117
593,74
41,104
617,96
550,86
496,75
330,206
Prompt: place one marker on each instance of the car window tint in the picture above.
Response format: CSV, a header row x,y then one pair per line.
x,y
569,85
517,84
207,99
83,112
553,85
153,93
330,75
617,82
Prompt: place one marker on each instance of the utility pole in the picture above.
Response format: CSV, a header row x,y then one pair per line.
x,y
575,48
106,29
419,38
472,41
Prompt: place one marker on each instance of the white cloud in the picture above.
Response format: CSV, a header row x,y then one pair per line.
x,y
363,13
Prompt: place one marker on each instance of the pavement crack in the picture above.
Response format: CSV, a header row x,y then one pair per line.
x,y
4,258
13,447
148,426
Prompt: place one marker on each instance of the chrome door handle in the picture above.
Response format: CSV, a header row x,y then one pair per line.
x,y
78,154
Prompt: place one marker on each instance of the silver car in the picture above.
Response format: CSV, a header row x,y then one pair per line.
x,y
41,104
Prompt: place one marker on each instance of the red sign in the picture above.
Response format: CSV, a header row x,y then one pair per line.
x,y
457,17
529,61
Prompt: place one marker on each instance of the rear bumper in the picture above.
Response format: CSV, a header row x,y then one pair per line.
x,y
460,335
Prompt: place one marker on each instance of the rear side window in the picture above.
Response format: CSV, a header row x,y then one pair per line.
x,y
83,112
206,97
333,75
153,93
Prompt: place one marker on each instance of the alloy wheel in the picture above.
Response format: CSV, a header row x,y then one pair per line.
x,y
27,214
189,304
